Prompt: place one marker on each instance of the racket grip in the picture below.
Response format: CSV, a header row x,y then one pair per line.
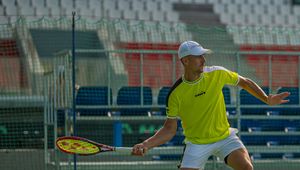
x,y
123,149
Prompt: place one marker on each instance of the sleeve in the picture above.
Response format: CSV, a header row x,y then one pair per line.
x,y
172,106
229,77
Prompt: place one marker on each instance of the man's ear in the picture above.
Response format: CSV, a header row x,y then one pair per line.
x,y
184,60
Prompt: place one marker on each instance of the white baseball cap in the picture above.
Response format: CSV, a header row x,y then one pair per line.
x,y
191,48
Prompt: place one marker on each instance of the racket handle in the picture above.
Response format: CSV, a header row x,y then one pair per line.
x,y
123,149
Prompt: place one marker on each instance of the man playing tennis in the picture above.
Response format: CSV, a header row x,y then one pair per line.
x,y
197,99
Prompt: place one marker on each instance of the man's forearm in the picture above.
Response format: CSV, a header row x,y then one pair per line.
x,y
162,136
255,90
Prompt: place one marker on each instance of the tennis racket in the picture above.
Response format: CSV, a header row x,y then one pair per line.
x,y
85,147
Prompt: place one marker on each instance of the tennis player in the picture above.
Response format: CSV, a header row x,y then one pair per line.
x,y
197,99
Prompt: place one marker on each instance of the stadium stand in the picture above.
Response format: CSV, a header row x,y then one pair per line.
x,y
43,38
12,79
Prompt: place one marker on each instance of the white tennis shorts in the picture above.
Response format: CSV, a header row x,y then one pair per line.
x,y
195,155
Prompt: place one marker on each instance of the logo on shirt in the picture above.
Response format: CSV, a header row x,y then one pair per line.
x,y
200,94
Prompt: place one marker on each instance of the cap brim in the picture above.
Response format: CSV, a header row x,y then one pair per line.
x,y
201,52
207,51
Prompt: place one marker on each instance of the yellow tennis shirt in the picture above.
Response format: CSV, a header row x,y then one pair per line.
x,y
200,105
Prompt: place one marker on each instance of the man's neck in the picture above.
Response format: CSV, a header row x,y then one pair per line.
x,y
191,76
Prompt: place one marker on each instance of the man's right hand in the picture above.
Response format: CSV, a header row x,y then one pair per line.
x,y
139,149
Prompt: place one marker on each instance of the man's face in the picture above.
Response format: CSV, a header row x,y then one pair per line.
x,y
194,63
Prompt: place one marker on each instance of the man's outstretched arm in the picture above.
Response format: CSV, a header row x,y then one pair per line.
x,y
252,88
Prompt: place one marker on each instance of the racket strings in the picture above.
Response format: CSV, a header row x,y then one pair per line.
x,y
78,147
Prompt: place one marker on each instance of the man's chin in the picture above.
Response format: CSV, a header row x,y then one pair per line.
x,y
200,71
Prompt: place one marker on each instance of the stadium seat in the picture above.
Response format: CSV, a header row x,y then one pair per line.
x,y
8,3
25,135
23,3
294,97
95,4
226,93
123,5
178,139
53,3
162,99
255,156
162,95
247,99
38,3
67,3
42,11
270,140
11,10
151,5
269,125
95,96
137,6
132,96
158,16
27,11
227,98
82,4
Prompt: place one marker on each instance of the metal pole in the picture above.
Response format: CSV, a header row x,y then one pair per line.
x,y
299,78
55,100
108,79
238,97
45,122
142,78
174,68
270,74
73,82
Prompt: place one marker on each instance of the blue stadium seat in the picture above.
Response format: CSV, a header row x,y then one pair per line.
x,y
93,95
166,157
294,100
132,96
289,111
294,97
162,99
178,139
247,99
264,140
227,99
260,156
162,95
269,125
226,93
255,156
